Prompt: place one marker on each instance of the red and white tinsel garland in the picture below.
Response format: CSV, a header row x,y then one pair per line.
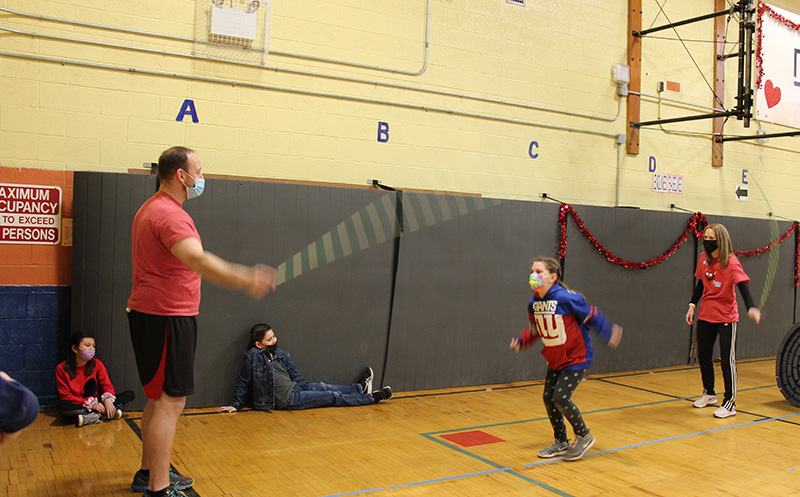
x,y
695,226
763,9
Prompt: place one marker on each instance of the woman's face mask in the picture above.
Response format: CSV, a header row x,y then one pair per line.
x,y
710,245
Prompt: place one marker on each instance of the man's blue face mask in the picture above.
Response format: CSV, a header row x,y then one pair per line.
x,y
196,190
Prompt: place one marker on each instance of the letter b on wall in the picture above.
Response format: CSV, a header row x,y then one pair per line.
x,y
383,132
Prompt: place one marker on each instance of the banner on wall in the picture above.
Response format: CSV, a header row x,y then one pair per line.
x,y
778,66
30,214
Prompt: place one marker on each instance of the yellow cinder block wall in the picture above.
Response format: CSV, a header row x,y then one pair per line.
x,y
471,96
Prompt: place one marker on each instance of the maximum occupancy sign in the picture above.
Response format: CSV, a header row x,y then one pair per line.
x,y
30,214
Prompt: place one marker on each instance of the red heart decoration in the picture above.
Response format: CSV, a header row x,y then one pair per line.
x,y
772,94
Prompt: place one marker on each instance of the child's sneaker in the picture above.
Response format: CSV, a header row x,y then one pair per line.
x,y
382,394
555,450
366,381
117,414
579,447
89,419
705,400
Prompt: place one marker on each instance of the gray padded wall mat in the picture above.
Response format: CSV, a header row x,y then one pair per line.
x,y
650,304
333,320
461,284
462,292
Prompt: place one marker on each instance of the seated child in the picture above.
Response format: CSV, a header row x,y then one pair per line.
x,y
85,393
276,384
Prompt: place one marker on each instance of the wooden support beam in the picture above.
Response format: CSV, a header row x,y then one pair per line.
x,y
635,61
719,83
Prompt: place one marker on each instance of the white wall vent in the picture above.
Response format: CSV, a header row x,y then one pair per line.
x,y
521,3
233,29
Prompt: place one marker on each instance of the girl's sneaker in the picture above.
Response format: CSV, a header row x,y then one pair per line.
x,y
555,450
89,419
579,447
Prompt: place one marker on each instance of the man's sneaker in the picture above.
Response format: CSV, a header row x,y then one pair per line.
x,y
366,381
141,480
555,450
579,447
170,491
705,400
89,419
724,412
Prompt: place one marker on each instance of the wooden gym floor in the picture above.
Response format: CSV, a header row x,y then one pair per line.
x,y
479,441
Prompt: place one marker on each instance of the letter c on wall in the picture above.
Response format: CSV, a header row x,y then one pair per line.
x,y
530,150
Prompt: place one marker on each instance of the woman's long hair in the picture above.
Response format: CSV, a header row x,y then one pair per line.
x,y
70,366
723,243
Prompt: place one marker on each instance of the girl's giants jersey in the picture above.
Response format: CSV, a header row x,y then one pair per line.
x,y
562,321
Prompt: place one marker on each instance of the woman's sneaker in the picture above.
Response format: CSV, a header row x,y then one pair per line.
x,y
725,412
705,400
579,447
91,418
555,450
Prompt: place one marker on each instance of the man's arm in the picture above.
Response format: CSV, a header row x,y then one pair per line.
x,y
253,280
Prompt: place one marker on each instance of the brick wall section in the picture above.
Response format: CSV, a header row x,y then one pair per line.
x,y
29,264
34,327
35,296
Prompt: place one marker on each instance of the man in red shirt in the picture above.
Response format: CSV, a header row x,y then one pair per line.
x,y
168,264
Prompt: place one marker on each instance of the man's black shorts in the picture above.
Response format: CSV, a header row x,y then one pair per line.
x,y
164,347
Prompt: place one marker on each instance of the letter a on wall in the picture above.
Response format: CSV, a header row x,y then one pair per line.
x,y
188,108
778,60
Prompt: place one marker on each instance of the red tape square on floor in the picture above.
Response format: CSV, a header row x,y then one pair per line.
x,y
470,438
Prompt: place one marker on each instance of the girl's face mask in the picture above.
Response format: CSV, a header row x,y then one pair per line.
x,y
87,354
535,281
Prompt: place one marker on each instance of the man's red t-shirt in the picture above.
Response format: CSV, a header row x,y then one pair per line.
x,y
718,304
162,284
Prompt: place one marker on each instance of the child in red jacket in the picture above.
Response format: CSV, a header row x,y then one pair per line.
x,y
85,393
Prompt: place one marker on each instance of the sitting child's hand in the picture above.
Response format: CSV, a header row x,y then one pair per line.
x,y
227,409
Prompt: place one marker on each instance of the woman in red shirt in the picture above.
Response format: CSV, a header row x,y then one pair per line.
x,y
85,393
719,274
